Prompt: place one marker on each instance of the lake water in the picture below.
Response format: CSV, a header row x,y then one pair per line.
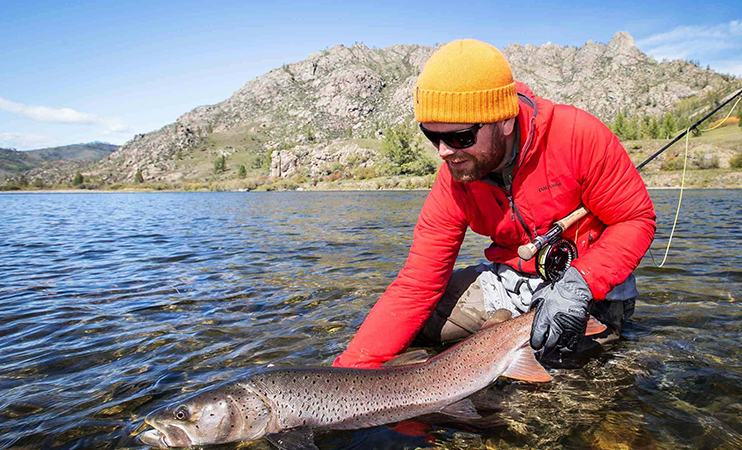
x,y
112,305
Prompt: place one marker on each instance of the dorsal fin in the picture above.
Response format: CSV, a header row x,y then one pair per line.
x,y
594,327
499,316
525,367
406,359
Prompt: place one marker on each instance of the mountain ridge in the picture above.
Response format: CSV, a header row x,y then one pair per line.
x,y
356,92
14,162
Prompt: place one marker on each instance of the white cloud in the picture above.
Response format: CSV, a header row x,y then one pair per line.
x,y
26,141
62,115
717,45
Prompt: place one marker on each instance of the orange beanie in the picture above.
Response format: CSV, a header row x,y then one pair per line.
x,y
466,81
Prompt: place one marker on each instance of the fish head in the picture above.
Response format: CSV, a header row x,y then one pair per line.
x,y
227,414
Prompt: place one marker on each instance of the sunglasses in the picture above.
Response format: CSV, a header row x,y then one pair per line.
x,y
455,139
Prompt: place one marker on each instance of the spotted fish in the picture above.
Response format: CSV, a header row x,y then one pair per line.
x,y
285,404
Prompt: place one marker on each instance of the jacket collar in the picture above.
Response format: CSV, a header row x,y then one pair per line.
x,y
534,117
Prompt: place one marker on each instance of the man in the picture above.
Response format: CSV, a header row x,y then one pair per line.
x,y
514,164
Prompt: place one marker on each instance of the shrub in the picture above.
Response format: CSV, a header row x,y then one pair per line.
x,y
220,164
422,166
138,177
708,162
78,180
402,146
736,161
364,173
672,162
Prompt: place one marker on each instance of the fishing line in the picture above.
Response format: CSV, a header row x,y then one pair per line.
x,y
725,119
686,133
680,201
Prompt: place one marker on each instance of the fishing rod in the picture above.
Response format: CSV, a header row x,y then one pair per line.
x,y
687,130
556,253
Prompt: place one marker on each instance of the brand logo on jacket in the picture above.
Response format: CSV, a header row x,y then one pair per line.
x,y
549,186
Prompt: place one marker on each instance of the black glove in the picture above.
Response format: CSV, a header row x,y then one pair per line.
x,y
561,312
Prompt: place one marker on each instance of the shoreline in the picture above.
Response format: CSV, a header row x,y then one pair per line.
x,y
171,191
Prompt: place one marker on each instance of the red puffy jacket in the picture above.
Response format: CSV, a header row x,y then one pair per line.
x,y
567,157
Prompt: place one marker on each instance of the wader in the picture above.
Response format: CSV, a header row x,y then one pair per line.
x,y
475,292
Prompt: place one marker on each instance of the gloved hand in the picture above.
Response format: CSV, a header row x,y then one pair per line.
x,y
561,312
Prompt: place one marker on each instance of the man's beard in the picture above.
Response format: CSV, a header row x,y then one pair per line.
x,y
482,164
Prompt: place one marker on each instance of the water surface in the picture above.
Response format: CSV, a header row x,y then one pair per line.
x,y
113,304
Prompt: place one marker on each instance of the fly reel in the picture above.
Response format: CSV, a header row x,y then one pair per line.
x,y
553,259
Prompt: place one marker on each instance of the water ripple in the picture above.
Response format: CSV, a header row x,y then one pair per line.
x,y
113,303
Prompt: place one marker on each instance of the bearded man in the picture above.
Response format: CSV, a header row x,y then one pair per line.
x,y
514,164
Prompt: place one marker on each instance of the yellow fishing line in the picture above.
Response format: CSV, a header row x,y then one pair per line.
x,y
725,119
680,200
682,184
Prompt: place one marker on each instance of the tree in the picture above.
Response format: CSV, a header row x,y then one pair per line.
x,y
241,171
38,183
654,128
644,129
220,164
632,131
401,145
668,126
138,177
619,125
78,180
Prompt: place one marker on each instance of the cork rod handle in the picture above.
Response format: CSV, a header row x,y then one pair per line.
x,y
527,251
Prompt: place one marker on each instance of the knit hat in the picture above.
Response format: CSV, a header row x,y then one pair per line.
x,y
466,81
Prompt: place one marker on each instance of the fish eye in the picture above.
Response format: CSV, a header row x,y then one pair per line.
x,y
181,413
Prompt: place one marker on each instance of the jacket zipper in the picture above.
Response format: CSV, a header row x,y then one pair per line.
x,y
513,208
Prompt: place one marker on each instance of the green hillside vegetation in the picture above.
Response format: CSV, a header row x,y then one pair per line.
x,y
714,159
685,113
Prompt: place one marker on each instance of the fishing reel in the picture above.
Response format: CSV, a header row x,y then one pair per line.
x,y
554,258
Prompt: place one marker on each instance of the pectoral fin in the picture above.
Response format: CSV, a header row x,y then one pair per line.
x,y
525,367
406,359
594,327
499,316
295,439
463,409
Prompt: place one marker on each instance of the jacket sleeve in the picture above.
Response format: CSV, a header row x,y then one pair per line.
x,y
404,308
614,192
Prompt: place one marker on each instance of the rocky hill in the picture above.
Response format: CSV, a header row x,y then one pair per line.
x,y
14,163
307,111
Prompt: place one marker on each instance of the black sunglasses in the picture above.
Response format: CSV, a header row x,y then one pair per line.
x,y
455,139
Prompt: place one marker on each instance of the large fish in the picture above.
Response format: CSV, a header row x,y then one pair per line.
x,y
285,404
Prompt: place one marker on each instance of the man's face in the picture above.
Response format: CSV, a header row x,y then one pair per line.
x,y
472,163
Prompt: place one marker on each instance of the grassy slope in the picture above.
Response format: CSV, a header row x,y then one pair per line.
x,y
725,142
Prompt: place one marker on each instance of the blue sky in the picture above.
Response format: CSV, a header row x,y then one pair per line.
x,y
86,71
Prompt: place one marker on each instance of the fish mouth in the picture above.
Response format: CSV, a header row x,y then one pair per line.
x,y
152,437
165,436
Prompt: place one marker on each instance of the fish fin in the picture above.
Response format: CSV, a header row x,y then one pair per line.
x,y
594,327
525,367
406,359
294,439
499,316
463,409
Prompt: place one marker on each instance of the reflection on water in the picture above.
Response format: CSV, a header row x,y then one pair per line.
x,y
111,304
